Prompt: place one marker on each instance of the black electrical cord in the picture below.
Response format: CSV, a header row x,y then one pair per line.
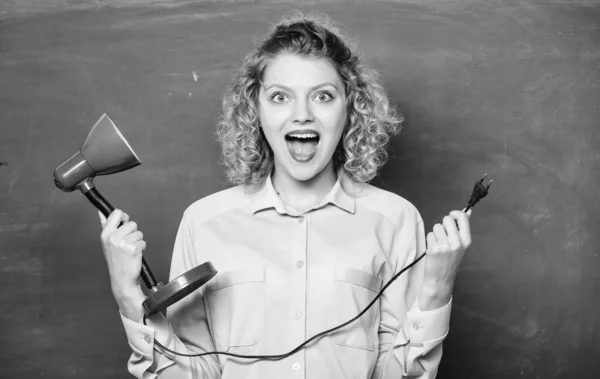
x,y
479,192
281,356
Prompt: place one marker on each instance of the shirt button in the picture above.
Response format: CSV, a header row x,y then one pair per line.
x,y
301,219
416,326
297,314
296,366
299,264
147,339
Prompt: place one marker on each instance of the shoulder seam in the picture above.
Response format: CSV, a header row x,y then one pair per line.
x,y
410,206
186,213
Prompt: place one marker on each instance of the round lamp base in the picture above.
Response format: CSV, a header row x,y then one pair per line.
x,y
165,295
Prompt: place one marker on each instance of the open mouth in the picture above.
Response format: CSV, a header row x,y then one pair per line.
x,y
302,145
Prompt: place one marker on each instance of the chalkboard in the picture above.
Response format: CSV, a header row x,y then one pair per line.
x,y
508,89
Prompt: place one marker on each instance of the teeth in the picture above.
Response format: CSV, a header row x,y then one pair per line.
x,y
303,135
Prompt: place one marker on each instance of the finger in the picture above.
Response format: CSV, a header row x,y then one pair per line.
x,y
124,219
102,219
431,241
135,236
440,233
464,226
113,221
140,246
451,232
126,229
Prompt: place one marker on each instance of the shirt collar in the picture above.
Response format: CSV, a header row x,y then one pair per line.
x,y
339,195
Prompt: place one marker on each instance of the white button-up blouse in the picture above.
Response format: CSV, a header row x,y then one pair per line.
x,y
284,277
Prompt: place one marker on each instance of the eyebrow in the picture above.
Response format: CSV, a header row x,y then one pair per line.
x,y
311,89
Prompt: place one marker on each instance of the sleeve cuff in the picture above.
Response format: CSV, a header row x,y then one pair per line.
x,y
141,337
426,326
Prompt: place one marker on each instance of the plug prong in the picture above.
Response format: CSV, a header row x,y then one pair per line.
x,y
480,181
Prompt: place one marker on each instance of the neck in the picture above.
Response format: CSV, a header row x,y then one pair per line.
x,y
302,195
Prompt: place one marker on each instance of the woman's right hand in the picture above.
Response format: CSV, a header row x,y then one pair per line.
x,y
122,246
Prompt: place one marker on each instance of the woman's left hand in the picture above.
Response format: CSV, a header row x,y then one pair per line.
x,y
446,246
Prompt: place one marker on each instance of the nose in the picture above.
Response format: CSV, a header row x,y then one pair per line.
x,y
302,113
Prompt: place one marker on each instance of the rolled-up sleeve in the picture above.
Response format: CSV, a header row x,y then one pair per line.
x,y
418,347
410,340
147,357
185,329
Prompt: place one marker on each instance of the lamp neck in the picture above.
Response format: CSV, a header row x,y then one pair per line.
x,y
86,185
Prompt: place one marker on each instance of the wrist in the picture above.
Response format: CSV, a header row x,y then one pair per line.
x,y
130,302
434,296
126,291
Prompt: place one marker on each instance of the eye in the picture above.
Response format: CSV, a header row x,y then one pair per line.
x,y
324,97
278,97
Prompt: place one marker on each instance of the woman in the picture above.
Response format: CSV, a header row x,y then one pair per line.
x,y
302,243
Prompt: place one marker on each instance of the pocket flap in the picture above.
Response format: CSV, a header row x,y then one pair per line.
x,y
233,277
359,278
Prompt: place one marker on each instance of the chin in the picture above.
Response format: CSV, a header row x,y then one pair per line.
x,y
303,172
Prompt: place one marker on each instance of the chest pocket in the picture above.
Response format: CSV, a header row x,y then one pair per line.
x,y
353,290
236,307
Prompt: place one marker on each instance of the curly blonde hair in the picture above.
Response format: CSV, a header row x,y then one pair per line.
x,y
371,119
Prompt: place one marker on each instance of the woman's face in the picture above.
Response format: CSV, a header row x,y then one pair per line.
x,y
302,105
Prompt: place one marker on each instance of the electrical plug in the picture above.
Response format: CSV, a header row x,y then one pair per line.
x,y
479,192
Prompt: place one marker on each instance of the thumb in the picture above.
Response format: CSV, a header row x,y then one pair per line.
x,y
102,218
469,212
